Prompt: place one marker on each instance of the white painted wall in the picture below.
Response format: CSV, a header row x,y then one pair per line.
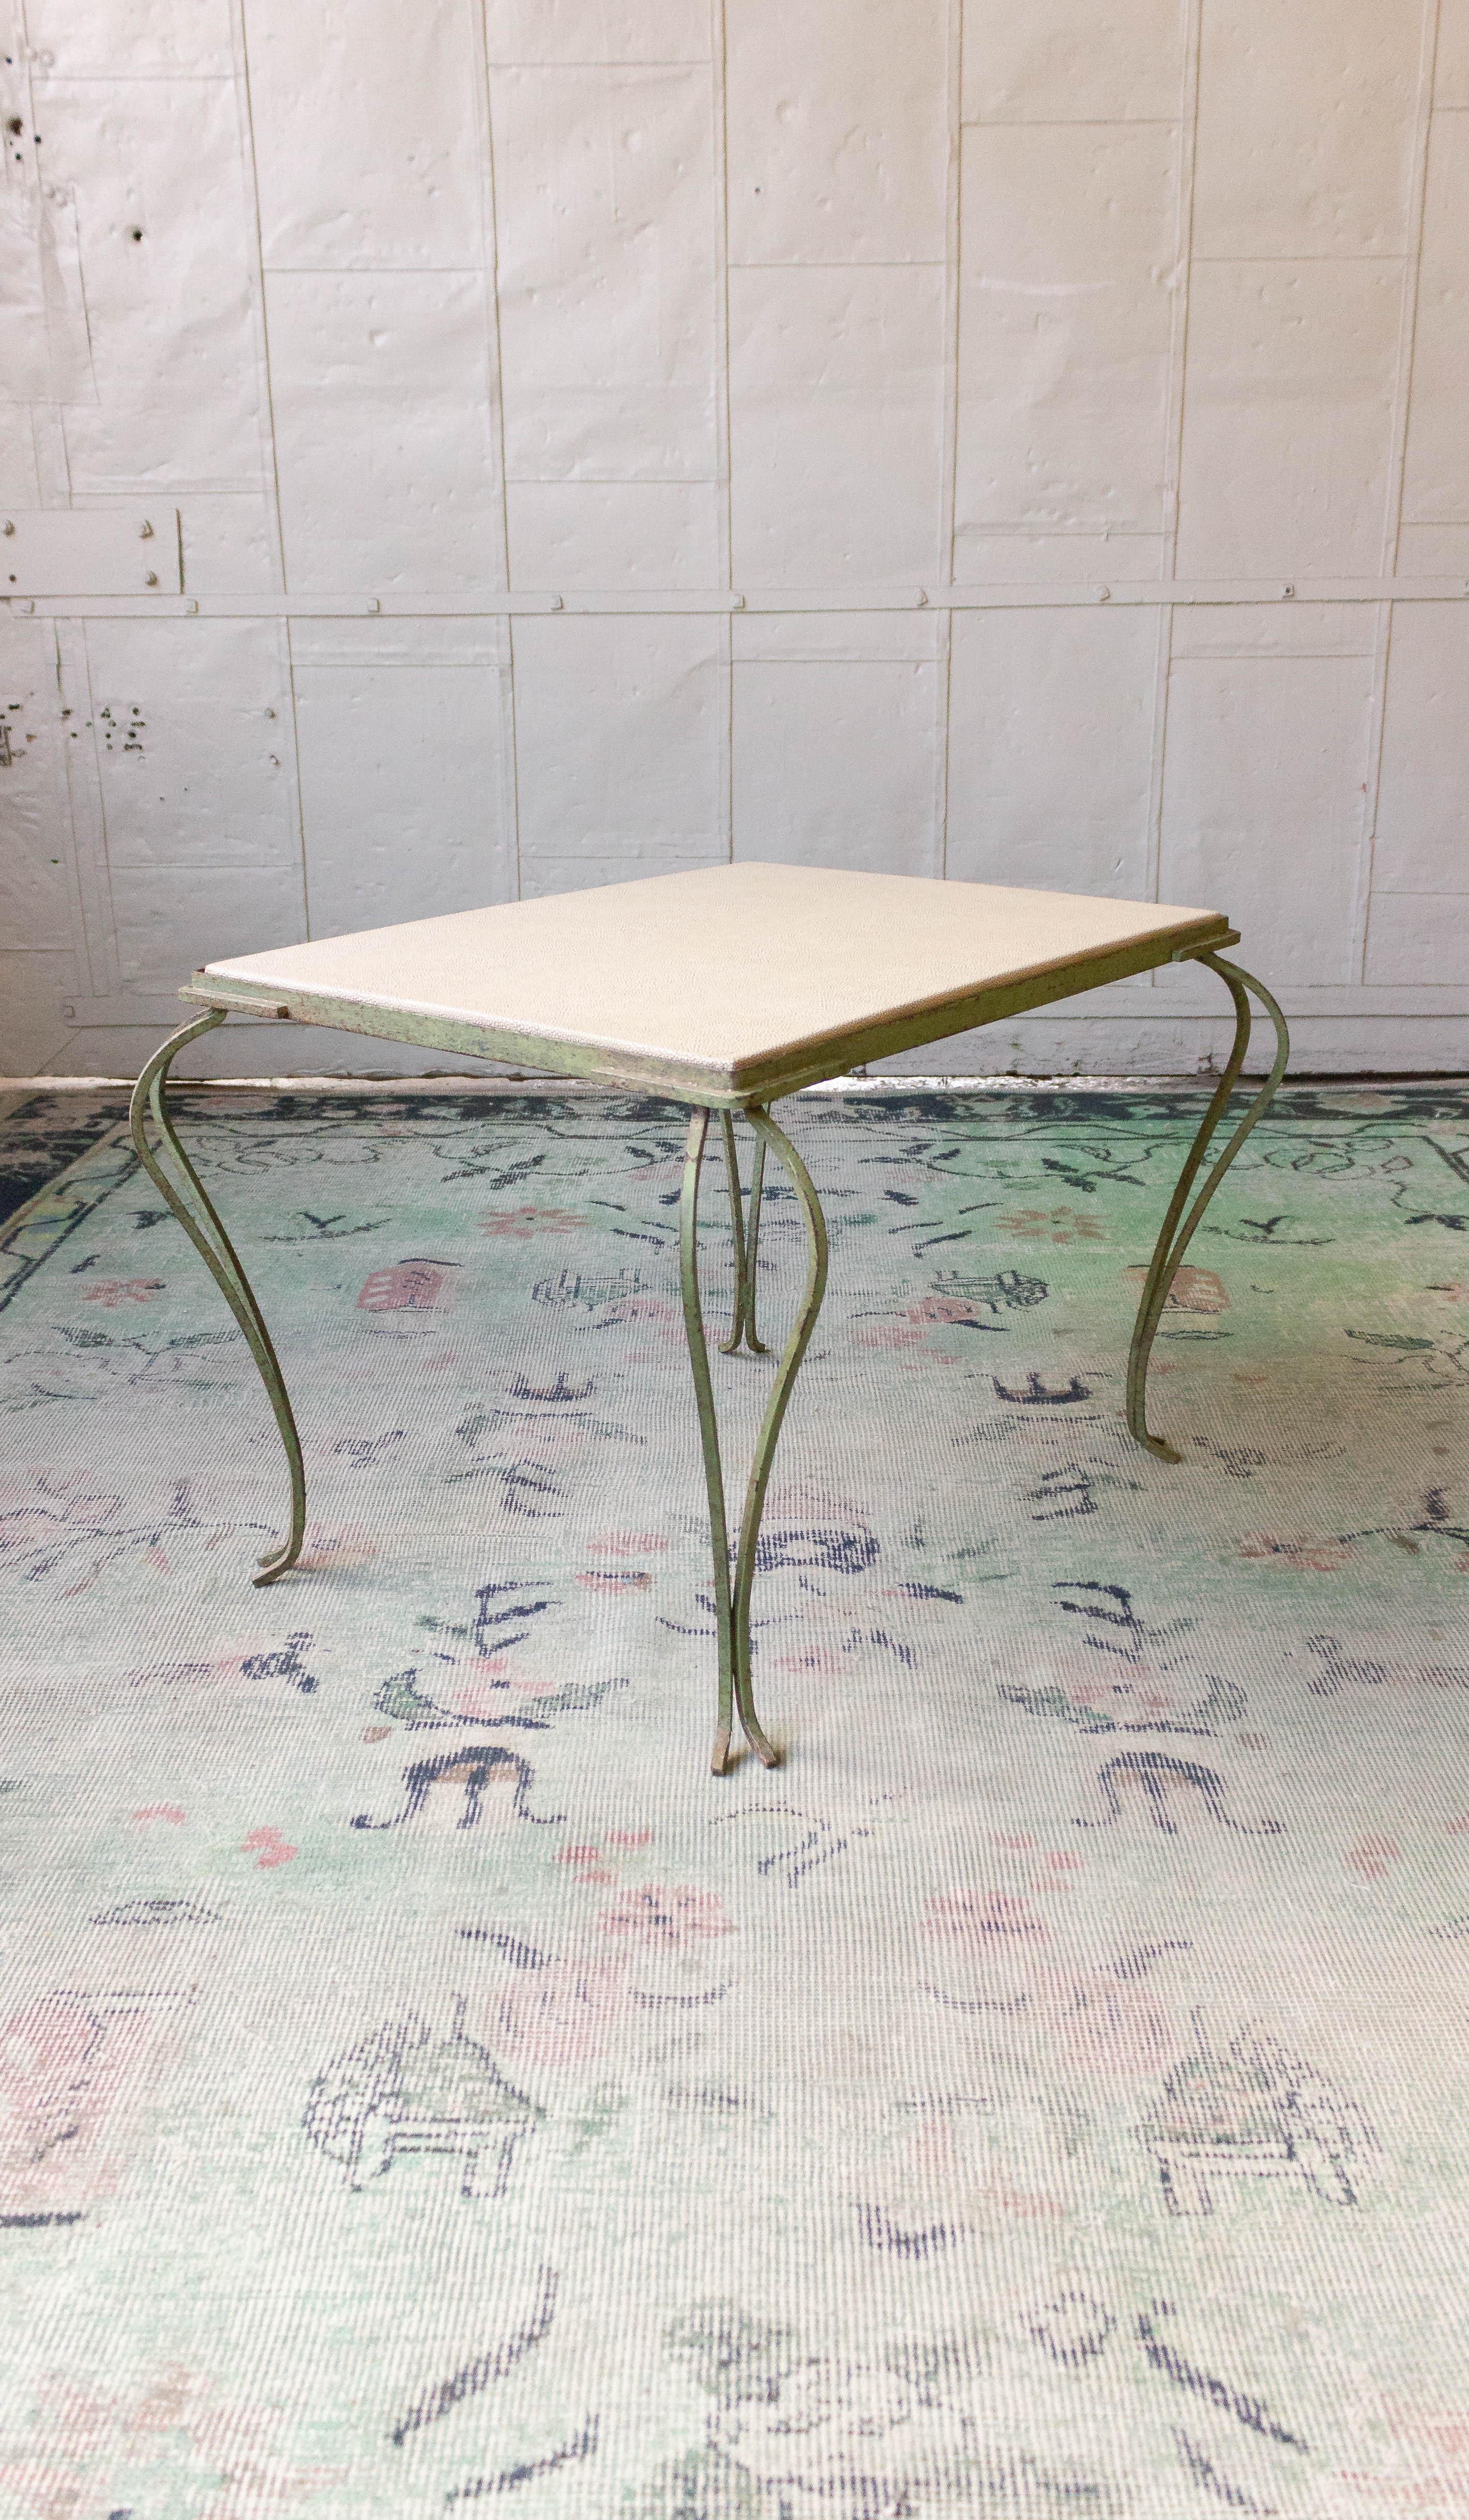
x,y
584,437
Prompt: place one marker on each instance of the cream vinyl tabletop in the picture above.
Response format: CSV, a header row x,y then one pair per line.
x,y
728,982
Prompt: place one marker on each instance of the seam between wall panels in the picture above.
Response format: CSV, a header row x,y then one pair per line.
x,y
50,454
1184,164
512,753
510,759
1178,348
259,320
1412,278
489,268
505,860
719,108
943,685
719,142
1162,674
948,449
1367,855
99,928
588,603
75,897
266,422
296,759
1392,528
507,884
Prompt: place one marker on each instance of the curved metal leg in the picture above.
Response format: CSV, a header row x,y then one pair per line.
x,y
708,1427
1176,1236
775,1411
735,1687
726,1347
756,1346
745,1242
195,1212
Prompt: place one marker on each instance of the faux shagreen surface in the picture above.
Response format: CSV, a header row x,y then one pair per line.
x,y
715,968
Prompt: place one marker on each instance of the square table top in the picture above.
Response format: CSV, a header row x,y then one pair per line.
x,y
725,985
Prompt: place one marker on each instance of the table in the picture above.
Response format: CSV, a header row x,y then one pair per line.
x,y
723,988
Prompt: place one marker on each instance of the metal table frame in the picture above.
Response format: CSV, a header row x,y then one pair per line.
x,y
179,1184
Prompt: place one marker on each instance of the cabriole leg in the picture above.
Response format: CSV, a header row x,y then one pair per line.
x,y
732,1604
1179,1229
191,1203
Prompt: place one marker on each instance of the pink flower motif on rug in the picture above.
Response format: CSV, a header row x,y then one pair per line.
x,y
669,1920
521,1222
76,2074
562,2012
409,1287
965,1916
109,1293
1298,1552
1051,1225
1193,1290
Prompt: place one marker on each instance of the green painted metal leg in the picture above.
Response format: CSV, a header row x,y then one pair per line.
x,y
733,1609
745,1242
775,1411
756,1346
195,1212
1177,1228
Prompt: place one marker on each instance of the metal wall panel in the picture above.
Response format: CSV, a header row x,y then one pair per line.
x,y
400,487
1436,485
837,152
1264,737
35,909
172,920
603,184
835,742
1418,939
191,728
619,750
596,31
155,171
1451,70
401,790
367,153
146,39
1423,803
1288,418
1289,165
1050,748
836,424
1064,333
1070,60
614,533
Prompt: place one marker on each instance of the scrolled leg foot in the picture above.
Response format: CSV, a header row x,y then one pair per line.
x,y
1179,1229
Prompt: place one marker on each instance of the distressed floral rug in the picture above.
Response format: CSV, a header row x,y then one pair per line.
x,y
1047,2098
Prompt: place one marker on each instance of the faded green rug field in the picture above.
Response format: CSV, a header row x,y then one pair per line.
x,y
1046,2099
